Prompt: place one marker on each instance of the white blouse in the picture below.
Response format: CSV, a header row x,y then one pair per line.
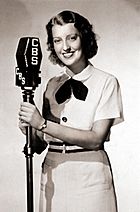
x,y
103,100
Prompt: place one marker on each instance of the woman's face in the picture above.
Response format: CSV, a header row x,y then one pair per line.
x,y
67,45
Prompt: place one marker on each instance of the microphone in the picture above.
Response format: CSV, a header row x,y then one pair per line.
x,y
29,58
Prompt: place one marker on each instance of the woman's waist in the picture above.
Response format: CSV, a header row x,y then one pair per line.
x,y
65,147
55,158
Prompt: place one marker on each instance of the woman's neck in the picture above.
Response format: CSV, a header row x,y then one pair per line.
x,y
79,67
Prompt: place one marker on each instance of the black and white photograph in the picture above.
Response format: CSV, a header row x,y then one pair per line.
x,y
70,105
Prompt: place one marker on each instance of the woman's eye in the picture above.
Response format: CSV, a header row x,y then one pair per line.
x,y
73,37
56,41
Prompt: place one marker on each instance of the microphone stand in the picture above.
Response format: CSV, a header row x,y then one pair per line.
x,y
28,151
29,58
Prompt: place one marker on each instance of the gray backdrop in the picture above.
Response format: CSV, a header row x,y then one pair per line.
x,y
117,23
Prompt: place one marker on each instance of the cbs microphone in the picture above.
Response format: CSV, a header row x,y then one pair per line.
x,y
29,58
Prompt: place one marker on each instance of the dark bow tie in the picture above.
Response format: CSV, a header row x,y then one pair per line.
x,y
76,87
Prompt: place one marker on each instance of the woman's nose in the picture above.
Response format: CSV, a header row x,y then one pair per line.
x,y
66,46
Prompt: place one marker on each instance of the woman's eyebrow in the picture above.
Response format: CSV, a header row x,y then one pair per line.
x,y
71,34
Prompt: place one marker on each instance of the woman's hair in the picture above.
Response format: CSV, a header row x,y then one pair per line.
x,y
88,37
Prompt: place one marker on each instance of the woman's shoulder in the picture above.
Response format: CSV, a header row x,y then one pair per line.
x,y
99,72
101,77
103,74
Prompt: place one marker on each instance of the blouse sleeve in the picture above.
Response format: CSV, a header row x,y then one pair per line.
x,y
110,104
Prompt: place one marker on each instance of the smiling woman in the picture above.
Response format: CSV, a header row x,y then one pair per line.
x,y
68,48
79,108
81,28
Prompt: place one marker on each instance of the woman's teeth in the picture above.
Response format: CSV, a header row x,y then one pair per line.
x,y
67,55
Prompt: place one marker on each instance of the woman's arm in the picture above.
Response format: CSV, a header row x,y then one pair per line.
x,y
38,143
84,138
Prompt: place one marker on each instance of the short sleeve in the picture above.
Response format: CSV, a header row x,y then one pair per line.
x,y
110,104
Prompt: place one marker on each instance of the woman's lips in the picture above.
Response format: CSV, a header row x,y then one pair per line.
x,y
68,55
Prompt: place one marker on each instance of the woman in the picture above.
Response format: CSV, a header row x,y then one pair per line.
x,y
80,106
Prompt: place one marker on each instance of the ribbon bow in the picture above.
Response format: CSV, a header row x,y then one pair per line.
x,y
76,87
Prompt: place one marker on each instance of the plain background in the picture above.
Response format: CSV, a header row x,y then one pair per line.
x,y
117,23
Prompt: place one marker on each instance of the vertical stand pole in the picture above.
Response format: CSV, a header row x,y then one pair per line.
x,y
28,97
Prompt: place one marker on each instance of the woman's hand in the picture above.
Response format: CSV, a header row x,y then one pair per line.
x,y
29,115
22,126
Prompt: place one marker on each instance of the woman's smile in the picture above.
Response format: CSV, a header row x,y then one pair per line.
x,y
68,47
68,55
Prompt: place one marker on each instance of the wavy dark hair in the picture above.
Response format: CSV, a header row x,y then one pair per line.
x,y
88,37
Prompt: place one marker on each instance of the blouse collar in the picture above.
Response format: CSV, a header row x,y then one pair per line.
x,y
83,75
